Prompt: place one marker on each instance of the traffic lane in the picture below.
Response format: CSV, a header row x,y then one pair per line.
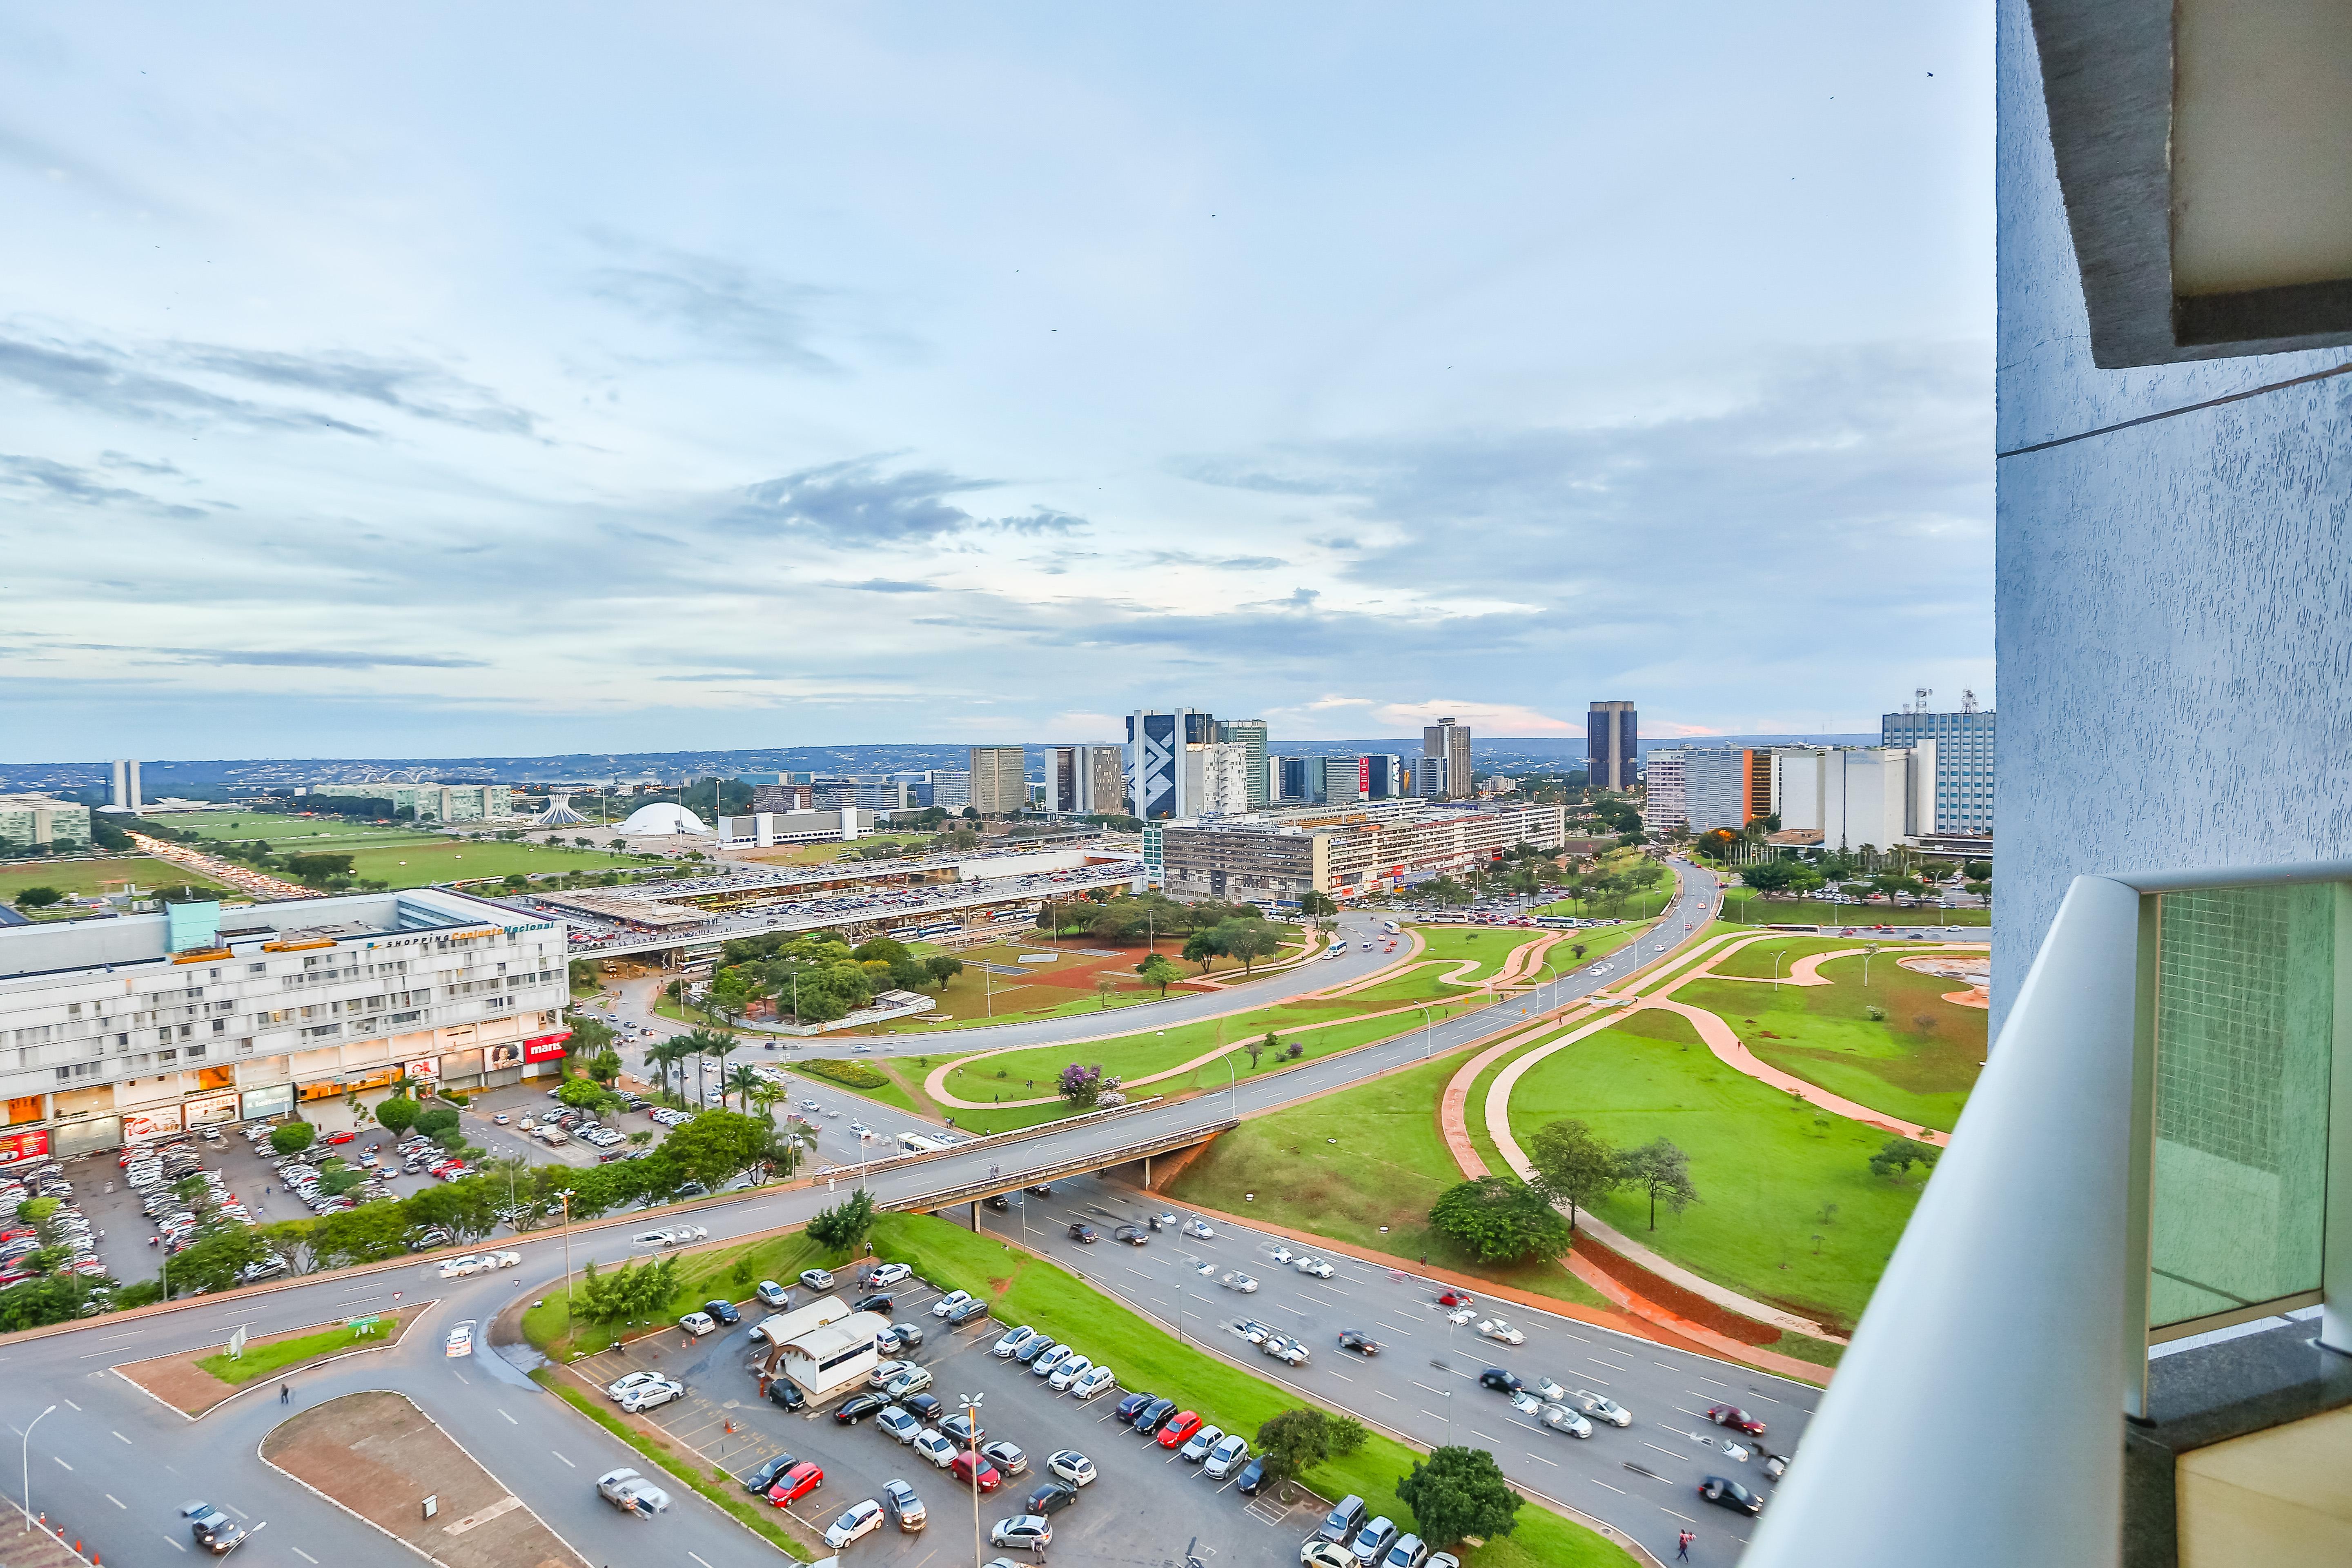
x,y
1426,1382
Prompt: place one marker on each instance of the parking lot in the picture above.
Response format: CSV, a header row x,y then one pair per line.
x,y
1148,1505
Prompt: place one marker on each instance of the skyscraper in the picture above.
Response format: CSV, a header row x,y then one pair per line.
x,y
1250,733
1163,761
1612,745
1964,754
1449,742
125,793
999,780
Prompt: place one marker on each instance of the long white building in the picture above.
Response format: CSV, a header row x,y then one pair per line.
x,y
115,1030
1855,795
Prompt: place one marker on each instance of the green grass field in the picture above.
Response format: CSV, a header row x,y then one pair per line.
x,y
1751,909
275,826
822,853
1765,1167
889,1093
1918,1062
91,875
1026,1289
1388,1166
733,1272
1444,947
262,1360
413,865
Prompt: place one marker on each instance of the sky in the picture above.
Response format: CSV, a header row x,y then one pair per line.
x,y
533,378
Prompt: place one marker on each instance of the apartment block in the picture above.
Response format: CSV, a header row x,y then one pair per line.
x,y
1612,745
1000,780
1448,742
130,1028
1272,862
1250,734
1963,785
31,821
1665,808
430,802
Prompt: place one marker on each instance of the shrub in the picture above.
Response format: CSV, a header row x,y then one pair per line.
x,y
855,1075
292,1137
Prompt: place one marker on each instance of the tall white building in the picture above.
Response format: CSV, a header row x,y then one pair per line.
x,y
1855,795
1964,758
1663,807
125,791
136,1028
1225,778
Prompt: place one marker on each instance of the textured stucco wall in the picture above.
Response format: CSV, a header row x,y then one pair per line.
x,y
2173,603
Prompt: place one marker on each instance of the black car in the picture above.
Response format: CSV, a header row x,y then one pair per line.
x,y
1730,1494
1043,1189
1133,1235
857,1408
1359,1341
760,1480
1501,1381
784,1392
1050,1498
1083,1233
922,1407
1132,1407
975,1307
1000,1203
724,1311
1158,1411
1033,1350
1253,1477
876,1303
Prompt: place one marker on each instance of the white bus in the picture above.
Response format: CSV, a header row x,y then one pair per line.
x,y
1391,928
921,1143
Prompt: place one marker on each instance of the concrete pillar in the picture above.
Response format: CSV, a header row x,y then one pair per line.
x,y
1147,1173
975,1216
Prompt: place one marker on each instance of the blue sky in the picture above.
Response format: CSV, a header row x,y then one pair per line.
x,y
540,378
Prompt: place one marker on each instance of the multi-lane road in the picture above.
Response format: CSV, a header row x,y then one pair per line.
x,y
90,1457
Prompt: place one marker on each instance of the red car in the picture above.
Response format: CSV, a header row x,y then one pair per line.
x,y
795,1484
960,1472
1735,1419
1457,1299
1180,1429
343,1137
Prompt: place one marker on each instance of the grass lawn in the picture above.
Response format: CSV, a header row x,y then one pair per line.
x,y
426,860
1443,948
224,825
892,1093
91,875
1387,1166
733,1272
1919,1063
1751,909
827,853
1765,1167
1026,1289
263,1359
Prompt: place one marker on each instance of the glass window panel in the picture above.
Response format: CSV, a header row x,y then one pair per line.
x,y
2244,1032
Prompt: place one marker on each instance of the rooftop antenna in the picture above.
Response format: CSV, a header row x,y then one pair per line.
x,y
1968,700
1919,695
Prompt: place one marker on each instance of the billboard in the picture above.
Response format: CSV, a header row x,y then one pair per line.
x,y
495,1057
260,1104
423,1067
18,1146
544,1047
211,1109
139,1126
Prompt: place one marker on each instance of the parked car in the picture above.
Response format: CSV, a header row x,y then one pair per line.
x,y
1347,1517
661,1391
1092,1382
767,1475
622,1385
923,1407
1030,1532
899,1338
887,1275
1014,1342
966,1312
1406,1553
1177,1429
859,1521
795,1483
1371,1543
1006,1456
898,1424
1050,1498
1073,1466
958,1429
1068,1373
857,1408
881,1375
817,1278
935,1448
963,1469
1317,1553
1228,1454
697,1323
1149,1420
774,1295
1028,1353
950,1303
1196,1447
1253,1477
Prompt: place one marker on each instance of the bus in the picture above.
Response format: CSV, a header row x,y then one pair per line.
x,y
921,1143
1391,928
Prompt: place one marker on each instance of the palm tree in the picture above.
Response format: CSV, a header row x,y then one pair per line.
x,y
745,1082
716,1044
663,1054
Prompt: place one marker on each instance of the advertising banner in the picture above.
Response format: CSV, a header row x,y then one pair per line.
x,y
424,1067
140,1126
260,1104
16,1146
544,1047
507,1056
211,1111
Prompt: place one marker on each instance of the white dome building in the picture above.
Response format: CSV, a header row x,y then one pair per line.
x,y
660,819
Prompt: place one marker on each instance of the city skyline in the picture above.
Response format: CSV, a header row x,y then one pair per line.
x,y
924,373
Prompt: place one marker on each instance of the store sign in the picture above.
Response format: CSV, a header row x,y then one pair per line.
x,y
260,1104
544,1047
212,1110
139,1126
18,1146
427,1067
332,1086
507,1056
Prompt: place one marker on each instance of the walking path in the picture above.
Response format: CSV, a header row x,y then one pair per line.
x,y
244,878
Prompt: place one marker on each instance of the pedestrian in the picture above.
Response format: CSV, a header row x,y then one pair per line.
x,y
1683,1546
285,1394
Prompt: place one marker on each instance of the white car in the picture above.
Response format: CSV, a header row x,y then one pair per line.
x,y
1196,1447
898,1424
950,1303
1282,1254
1460,1316
460,1341
889,1274
1093,1381
1229,1452
698,1323
1068,1373
1073,1466
914,1380
1015,1342
1199,1230
1050,1357
615,1390
1545,1389
936,1447
1561,1418
1250,1329
1526,1404
885,1371
1237,1280
1600,1407
1315,1265
661,1391
855,1523
1495,1329
1285,1350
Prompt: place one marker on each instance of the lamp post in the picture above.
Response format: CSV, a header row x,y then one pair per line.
x,y
1233,1088
1428,1025
1449,1418
971,1403
26,1457
566,1196
1776,966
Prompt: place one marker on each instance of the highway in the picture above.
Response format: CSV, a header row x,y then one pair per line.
x,y
106,1433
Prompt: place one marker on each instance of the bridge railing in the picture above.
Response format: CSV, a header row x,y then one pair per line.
x,y
989,1187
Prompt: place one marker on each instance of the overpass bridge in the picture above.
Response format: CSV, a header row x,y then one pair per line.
x,y
1055,1165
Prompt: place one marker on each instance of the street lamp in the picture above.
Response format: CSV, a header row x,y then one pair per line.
x,y
1428,1025
1776,966
1233,1088
27,1464
971,1403
566,1195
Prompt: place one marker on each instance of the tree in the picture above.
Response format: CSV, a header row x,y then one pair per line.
x,y
1157,971
1248,940
744,1082
1319,906
1203,947
1259,1047
397,1113
1975,871
1103,989
1573,1163
1897,1155
467,1208
589,1037
942,967
585,1094
1662,1171
715,1147
431,1123
292,1137
1084,1086
292,1239
1457,1493
841,1227
605,1067
1498,1220
318,867
38,897
1298,1440
211,1263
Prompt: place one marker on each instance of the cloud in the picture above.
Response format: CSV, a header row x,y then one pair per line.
x,y
411,386
321,659
63,481
859,501
1216,563
94,376
890,586
733,311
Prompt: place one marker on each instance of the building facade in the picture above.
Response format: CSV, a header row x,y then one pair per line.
x,y
1964,761
1664,810
1264,860
1250,734
1612,745
125,791
775,798
1855,797
1102,781
431,801
1449,742
1163,761
1223,781
1715,792
1000,780
29,822
132,1028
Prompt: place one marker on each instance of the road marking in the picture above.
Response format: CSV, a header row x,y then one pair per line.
x,y
303,1554
1619,1490
1684,1517
1384,1394
697,1556
122,1439
1670,1367
236,1510
510,1420
462,1377
61,1461
77,1408
560,1456
1655,1450
1709,1380
115,1501
179,1545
